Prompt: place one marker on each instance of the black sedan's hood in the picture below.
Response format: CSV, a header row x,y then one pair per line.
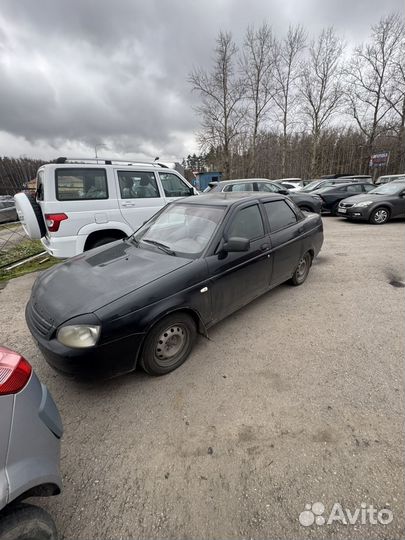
x,y
92,280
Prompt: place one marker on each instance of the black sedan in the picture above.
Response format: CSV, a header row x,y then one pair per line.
x,y
142,300
331,196
379,205
307,202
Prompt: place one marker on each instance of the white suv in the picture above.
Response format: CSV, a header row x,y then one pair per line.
x,y
81,203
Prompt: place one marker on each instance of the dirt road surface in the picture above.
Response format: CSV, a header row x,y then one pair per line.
x,y
296,399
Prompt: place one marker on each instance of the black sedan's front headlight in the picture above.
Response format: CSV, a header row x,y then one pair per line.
x,y
79,336
80,332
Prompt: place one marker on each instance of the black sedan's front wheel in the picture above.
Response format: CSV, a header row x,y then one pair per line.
x,y
168,344
302,270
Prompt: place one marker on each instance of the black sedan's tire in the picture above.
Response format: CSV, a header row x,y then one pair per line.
x,y
302,270
306,209
168,344
379,216
26,522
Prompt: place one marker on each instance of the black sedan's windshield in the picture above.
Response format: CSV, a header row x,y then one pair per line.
x,y
181,229
392,188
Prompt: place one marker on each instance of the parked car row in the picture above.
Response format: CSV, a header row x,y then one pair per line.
x,y
304,201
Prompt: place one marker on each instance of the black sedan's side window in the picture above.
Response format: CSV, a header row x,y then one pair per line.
x,y
247,223
280,215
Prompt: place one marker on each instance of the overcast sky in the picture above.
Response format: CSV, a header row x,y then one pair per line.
x,y
76,73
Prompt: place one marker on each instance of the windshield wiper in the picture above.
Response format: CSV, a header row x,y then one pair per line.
x,y
161,246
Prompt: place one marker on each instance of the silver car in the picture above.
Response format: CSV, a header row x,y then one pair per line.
x,y
30,433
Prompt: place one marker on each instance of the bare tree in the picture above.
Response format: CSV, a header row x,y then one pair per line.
x,y
321,86
256,64
287,69
369,76
395,97
221,93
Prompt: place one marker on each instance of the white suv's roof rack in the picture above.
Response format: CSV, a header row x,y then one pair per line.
x,y
109,161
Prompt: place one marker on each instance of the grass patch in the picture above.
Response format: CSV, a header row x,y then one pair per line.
x,y
24,249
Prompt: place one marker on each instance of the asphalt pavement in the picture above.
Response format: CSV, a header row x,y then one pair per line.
x,y
296,399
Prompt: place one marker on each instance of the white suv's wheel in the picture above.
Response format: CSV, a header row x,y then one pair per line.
x,y
30,214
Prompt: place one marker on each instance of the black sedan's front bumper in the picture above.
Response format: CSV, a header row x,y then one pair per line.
x,y
105,360
115,357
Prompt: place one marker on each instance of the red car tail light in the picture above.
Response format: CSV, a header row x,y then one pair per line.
x,y
53,221
15,372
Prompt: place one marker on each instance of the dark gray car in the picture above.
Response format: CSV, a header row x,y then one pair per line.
x,y
30,432
378,206
8,211
304,201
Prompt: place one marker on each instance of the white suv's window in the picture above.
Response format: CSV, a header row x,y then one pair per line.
x,y
173,185
137,185
40,186
80,184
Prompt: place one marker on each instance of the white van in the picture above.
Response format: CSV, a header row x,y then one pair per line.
x,y
84,203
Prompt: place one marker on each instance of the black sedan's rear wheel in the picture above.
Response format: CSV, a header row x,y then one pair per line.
x,y
305,208
168,344
379,216
302,270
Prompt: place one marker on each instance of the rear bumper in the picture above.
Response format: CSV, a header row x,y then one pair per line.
x,y
61,248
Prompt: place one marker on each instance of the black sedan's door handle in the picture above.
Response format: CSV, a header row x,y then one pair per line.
x,y
265,247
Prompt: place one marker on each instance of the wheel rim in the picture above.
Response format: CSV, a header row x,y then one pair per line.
x,y
171,344
302,268
381,216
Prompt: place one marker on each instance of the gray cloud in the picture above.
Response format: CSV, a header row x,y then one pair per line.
x,y
74,74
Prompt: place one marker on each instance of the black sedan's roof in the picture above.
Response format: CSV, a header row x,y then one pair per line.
x,y
228,198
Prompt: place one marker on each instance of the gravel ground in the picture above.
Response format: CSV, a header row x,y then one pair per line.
x,y
297,398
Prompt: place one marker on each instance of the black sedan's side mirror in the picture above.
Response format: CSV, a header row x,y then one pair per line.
x,y
284,191
236,243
